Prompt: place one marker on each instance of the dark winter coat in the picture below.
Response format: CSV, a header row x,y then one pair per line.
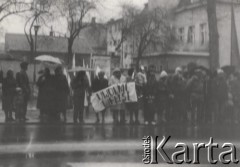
x,y
162,91
79,87
8,88
46,92
62,92
178,86
99,84
235,87
219,89
23,83
195,88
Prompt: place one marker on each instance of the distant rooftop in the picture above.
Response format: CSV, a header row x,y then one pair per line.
x,y
18,42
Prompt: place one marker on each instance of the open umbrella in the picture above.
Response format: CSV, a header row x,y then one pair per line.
x,y
50,59
77,69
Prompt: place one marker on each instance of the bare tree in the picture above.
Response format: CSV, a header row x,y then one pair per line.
x,y
39,13
129,13
76,13
152,30
11,7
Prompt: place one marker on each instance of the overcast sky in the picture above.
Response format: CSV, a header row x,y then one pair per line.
x,y
107,10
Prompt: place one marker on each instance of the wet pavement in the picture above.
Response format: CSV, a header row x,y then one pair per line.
x,y
50,145
37,144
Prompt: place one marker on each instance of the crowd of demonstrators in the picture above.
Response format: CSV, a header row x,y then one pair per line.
x,y
52,96
192,95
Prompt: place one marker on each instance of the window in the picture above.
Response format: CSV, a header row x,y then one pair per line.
x,y
191,34
181,34
203,33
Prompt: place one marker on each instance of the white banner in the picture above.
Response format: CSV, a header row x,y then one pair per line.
x,y
114,95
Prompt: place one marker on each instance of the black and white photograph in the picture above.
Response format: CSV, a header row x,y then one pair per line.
x,y
119,83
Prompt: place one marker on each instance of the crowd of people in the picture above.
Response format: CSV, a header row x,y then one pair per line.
x,y
195,96
190,95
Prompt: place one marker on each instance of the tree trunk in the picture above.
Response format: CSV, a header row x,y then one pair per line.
x,y
138,61
32,52
213,34
70,52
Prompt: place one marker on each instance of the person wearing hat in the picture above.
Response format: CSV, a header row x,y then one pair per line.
x,y
119,109
23,83
162,97
141,81
100,83
219,95
195,87
133,107
62,92
178,91
46,90
80,86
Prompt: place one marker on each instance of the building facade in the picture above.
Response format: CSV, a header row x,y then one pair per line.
x,y
118,48
191,25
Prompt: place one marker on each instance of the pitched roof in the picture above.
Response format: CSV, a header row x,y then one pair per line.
x,y
18,42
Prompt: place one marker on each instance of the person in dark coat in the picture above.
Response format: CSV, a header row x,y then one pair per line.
x,y
40,98
8,88
149,95
98,84
79,86
236,96
178,90
162,97
195,87
219,90
62,92
46,90
23,83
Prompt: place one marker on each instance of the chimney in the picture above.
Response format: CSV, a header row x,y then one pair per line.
x,y
93,20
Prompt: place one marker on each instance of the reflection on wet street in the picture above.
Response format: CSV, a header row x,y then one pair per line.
x,y
20,133
63,144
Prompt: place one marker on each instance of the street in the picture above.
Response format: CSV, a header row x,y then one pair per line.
x,y
36,145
